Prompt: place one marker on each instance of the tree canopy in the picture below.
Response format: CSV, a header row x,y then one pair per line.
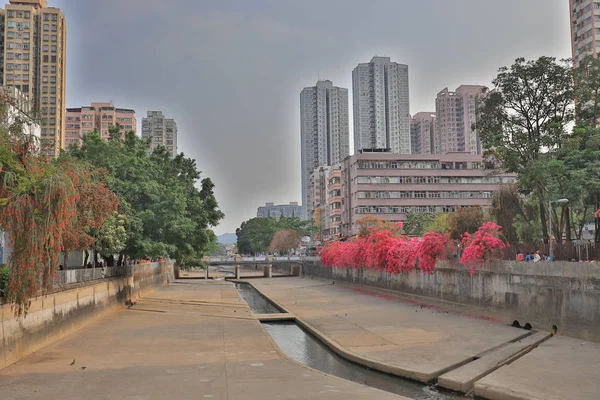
x,y
165,214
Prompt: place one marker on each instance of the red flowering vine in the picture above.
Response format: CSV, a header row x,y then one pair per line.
x,y
482,247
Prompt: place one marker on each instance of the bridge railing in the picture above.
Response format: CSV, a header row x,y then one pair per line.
x,y
240,259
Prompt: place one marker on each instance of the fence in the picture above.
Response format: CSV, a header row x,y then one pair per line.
x,y
71,276
560,251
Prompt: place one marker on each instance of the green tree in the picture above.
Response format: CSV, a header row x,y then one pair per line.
x,y
165,213
416,223
466,219
526,116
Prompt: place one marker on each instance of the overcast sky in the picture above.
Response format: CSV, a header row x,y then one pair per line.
x,y
230,71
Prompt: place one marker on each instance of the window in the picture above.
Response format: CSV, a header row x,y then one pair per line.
x,y
25,56
26,25
45,68
10,45
52,110
11,14
53,59
19,14
44,100
44,89
10,35
46,47
54,27
11,24
27,14
46,27
54,38
53,68
45,79
52,100
10,56
25,67
53,48
46,17
46,37
9,77
53,89
25,88
25,77
45,58
53,79
54,17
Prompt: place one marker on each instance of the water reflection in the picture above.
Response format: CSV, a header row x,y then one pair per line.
x,y
304,348
257,303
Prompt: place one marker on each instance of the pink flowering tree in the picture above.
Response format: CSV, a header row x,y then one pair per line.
x,y
482,247
431,249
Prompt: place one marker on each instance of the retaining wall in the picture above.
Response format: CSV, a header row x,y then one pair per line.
x,y
565,295
56,315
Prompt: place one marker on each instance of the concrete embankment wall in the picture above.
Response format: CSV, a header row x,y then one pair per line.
x,y
56,315
565,295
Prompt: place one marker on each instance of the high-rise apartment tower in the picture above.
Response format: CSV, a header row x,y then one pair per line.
x,y
585,28
324,131
34,60
422,132
456,115
381,106
160,131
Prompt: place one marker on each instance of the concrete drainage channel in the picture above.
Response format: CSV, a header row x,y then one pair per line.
x,y
305,348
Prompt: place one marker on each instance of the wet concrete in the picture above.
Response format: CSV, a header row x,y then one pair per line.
x,y
304,348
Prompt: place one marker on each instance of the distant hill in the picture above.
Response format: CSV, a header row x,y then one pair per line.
x,y
227,238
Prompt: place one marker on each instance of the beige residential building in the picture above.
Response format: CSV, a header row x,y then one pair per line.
x,y
317,197
422,134
391,186
34,60
456,114
100,116
585,28
334,202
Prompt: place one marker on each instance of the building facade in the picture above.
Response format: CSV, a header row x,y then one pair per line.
x,y
318,210
324,131
160,131
381,106
34,61
20,110
270,210
334,203
456,114
585,28
83,120
422,134
390,186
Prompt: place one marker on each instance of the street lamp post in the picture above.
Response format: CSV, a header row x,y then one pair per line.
x,y
559,201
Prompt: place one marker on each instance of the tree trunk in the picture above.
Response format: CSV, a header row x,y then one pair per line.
x,y
543,219
86,258
66,263
121,260
110,261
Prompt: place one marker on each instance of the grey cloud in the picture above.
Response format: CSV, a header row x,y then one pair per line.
x,y
230,71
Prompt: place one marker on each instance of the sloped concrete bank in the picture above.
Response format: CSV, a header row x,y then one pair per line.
x,y
563,296
56,315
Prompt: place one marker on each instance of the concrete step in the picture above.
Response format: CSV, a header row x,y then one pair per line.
x,y
462,379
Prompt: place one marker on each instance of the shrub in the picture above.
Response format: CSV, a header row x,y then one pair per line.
x,y
4,277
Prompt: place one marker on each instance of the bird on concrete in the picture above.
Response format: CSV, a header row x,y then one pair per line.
x,y
82,368
72,362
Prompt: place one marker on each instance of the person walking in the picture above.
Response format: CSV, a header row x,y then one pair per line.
x,y
537,257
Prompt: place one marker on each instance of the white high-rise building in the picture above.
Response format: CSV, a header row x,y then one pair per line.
x,y
381,109
161,131
324,131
